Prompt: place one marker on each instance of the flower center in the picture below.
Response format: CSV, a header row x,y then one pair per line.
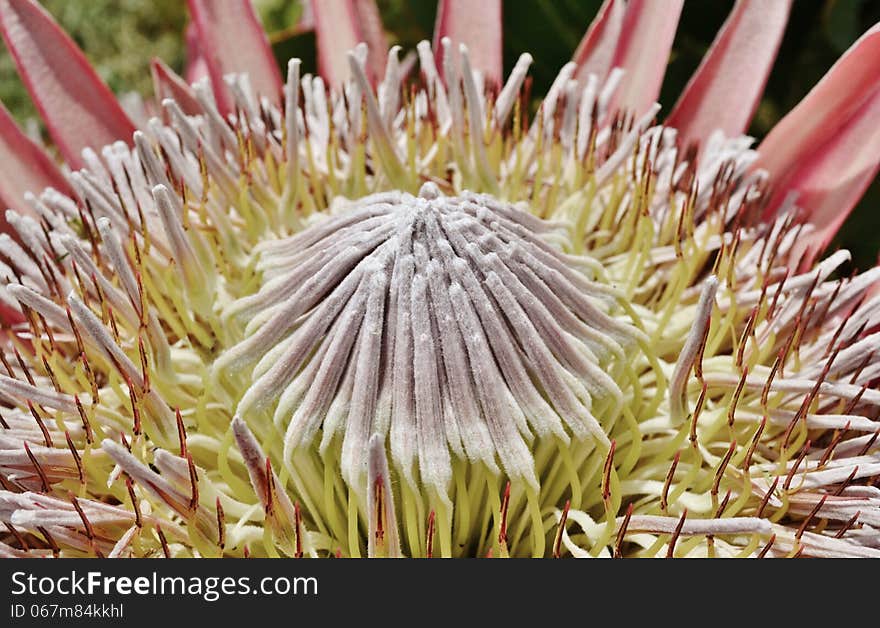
x,y
455,326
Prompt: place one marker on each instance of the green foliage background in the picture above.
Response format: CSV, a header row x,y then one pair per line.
x,y
120,36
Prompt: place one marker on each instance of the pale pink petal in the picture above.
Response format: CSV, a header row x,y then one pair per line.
x,y
196,68
827,149
232,40
168,84
597,48
340,25
828,106
79,110
831,180
476,24
643,51
25,168
725,90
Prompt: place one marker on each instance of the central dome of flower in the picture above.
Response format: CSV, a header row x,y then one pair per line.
x,y
449,323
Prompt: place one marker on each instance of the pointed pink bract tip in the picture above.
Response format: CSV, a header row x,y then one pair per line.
x,y
596,51
340,25
726,89
78,108
168,84
827,149
476,24
646,38
25,168
232,40
637,37
196,68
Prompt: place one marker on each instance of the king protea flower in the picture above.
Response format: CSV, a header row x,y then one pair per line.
x,y
382,312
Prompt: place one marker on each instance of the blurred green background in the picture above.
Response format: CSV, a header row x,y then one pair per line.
x,y
120,36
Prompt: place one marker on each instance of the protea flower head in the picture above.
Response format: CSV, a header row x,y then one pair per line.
x,y
382,312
